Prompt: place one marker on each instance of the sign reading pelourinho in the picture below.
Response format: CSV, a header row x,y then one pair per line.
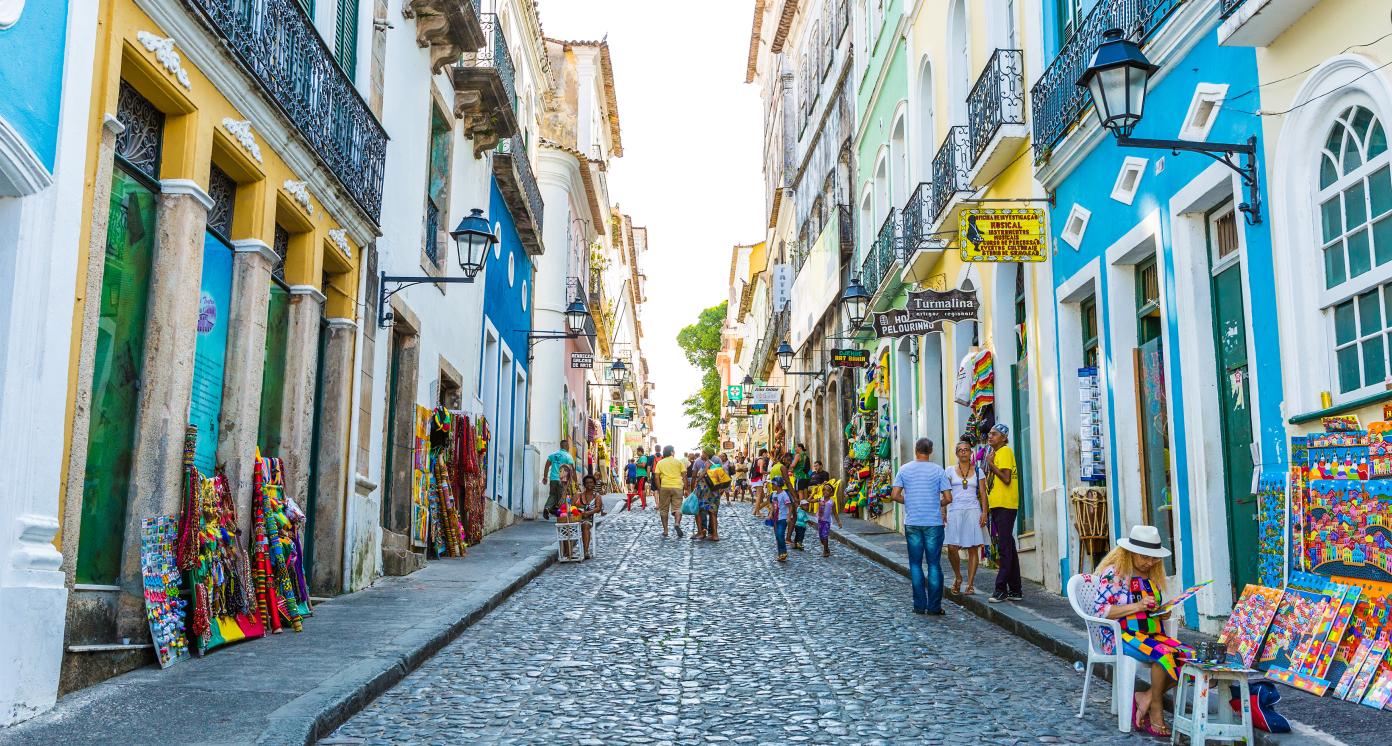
x,y
1008,235
900,323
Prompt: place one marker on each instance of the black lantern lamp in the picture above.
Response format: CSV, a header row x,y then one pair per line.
x,y
1117,80
576,313
473,239
748,380
785,355
855,299
619,372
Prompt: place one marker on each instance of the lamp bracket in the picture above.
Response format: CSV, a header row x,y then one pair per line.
x,y
1240,157
403,282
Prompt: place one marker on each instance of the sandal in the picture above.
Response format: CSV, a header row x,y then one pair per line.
x,y
971,590
1139,720
956,588
783,557
1158,730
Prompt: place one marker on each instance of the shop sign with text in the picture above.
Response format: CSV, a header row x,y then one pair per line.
x,y
1002,235
945,305
582,360
766,395
737,410
850,358
900,323
758,409
734,393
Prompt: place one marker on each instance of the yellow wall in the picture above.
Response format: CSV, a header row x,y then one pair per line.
x,y
194,138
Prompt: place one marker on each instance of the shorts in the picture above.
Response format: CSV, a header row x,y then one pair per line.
x,y
741,483
801,483
669,500
756,482
823,530
553,494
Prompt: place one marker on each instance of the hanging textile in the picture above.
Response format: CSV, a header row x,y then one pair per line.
x,y
442,485
471,449
282,596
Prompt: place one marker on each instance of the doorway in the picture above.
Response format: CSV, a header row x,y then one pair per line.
x,y
1235,413
1152,419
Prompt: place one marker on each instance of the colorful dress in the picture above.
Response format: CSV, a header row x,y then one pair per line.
x,y
1142,637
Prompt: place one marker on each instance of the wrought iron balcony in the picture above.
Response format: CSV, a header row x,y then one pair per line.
x,y
519,187
847,239
914,220
1228,7
883,253
485,90
777,329
1056,101
997,100
277,45
432,233
951,168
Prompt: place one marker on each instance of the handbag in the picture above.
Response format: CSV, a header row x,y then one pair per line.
x,y
691,505
717,478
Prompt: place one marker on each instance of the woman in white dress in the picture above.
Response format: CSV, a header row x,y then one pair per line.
x,y
966,517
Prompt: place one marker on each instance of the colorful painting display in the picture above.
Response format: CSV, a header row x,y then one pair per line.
x,y
164,609
1348,527
1315,653
420,480
1291,619
1271,528
1247,626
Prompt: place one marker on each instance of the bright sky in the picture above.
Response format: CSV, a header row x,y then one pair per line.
x,y
692,133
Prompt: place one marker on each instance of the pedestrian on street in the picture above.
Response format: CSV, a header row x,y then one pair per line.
x,y
1003,499
802,469
1133,588
703,493
552,476
783,470
741,477
808,509
758,474
923,488
826,512
641,467
781,506
590,503
966,517
671,481
631,479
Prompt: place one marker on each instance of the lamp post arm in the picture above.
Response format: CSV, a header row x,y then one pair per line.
x,y
1240,157
403,282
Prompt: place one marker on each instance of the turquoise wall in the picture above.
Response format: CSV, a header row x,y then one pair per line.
x,y
31,75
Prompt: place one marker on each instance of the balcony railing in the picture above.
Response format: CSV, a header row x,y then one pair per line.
x,y
485,89
277,44
915,221
951,168
1228,7
1056,101
495,54
998,98
432,232
519,187
774,333
882,254
845,213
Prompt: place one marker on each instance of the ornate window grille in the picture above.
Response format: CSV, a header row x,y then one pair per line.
x,y
141,143
223,191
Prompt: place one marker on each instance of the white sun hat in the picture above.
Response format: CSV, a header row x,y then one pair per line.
x,y
1145,540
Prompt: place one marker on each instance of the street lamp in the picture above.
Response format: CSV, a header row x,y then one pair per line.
x,y
473,239
785,355
619,372
748,380
855,299
1117,80
575,314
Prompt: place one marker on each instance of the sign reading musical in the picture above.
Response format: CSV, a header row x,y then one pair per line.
x,y
1002,235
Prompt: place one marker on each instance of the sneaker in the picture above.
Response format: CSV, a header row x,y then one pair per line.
x,y
680,534
939,612
1014,597
997,598
798,546
921,612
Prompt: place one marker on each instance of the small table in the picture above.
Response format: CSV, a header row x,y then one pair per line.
x,y
1192,718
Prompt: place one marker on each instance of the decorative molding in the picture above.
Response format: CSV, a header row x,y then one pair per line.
x,y
165,54
309,291
300,191
9,12
21,171
341,323
241,130
339,236
113,125
187,187
256,246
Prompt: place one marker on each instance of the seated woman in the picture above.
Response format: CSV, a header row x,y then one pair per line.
x,y
1132,588
590,503
568,509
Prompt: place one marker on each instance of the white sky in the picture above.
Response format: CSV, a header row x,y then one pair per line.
x,y
692,135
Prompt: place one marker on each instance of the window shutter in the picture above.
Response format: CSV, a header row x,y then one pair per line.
x,y
346,37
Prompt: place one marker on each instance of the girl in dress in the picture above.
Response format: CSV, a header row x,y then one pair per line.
x,y
966,517
1131,591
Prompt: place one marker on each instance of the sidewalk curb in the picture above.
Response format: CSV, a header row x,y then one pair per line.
x,y
316,713
1042,634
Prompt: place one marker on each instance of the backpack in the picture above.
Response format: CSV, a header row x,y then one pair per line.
x,y
717,478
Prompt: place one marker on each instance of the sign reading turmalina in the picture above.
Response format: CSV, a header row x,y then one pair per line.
x,y
946,305
1009,235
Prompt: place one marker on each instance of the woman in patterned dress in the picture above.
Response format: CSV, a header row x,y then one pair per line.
x,y
1132,589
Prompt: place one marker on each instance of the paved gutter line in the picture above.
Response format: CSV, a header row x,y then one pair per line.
x,y
1039,632
316,713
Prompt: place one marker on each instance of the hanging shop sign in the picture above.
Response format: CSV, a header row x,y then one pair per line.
x,y
782,285
582,360
757,409
739,410
734,393
1002,235
633,439
621,422
947,305
617,409
900,323
849,358
766,395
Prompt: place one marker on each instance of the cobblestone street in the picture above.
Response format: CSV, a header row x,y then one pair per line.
x,y
679,641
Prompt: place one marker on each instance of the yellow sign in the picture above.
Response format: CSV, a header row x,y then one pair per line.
x,y
1009,235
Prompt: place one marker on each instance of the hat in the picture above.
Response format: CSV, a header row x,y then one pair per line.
x,y
1002,429
1144,540
778,481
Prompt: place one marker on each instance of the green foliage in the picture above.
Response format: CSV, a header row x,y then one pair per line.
x,y
701,343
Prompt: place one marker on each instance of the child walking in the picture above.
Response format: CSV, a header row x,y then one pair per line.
x,y
826,513
781,505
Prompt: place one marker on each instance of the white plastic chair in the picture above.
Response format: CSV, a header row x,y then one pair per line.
x,y
1082,593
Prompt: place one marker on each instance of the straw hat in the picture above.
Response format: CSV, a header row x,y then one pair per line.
x,y
1145,540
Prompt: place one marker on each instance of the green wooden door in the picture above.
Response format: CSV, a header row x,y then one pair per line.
x,y
1230,331
116,373
1022,443
270,435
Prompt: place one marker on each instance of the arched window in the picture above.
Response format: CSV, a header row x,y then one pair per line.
x,y
867,220
927,137
1354,204
881,182
898,161
958,62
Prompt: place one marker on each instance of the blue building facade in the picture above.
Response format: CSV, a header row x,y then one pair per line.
x,y
503,368
1166,295
33,78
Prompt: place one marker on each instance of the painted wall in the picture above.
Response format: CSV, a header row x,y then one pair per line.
x,y
32,75
506,293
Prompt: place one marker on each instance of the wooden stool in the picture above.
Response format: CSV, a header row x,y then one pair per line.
x,y
1192,718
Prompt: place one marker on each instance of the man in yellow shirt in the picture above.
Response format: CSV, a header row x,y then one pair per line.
x,y
1003,499
671,476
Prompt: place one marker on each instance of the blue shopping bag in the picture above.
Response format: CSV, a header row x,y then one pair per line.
x,y
691,505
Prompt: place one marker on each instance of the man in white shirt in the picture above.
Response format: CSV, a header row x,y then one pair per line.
x,y
924,489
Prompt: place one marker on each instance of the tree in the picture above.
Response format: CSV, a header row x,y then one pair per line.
x,y
701,343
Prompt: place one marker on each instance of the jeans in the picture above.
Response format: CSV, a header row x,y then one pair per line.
x,y
925,546
800,533
780,534
1008,578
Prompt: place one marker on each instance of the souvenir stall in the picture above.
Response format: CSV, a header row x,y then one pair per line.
x,y
869,465
1319,619
469,451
